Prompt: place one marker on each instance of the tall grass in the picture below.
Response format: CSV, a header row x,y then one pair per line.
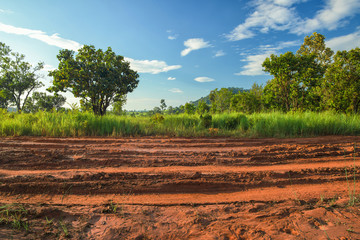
x,y
275,124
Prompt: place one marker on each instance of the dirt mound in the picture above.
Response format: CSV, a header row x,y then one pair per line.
x,y
179,188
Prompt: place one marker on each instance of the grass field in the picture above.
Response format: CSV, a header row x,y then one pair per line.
x,y
273,124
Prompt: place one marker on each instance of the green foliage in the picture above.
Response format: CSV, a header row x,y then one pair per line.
x,y
42,102
206,120
231,121
247,101
295,83
157,118
156,110
202,108
17,78
189,108
98,77
118,105
315,45
220,100
163,105
274,124
342,82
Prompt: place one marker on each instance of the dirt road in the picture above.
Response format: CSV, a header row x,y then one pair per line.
x,y
177,188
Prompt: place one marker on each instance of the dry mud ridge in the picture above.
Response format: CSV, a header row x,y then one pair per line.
x,y
179,188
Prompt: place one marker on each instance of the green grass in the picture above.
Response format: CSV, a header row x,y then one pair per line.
x,y
14,215
274,124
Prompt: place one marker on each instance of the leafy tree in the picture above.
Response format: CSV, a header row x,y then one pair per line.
x,y
220,100
296,78
247,101
189,108
202,107
97,77
43,102
162,104
315,44
17,78
342,82
156,110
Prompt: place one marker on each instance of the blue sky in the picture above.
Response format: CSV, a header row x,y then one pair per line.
x,y
182,49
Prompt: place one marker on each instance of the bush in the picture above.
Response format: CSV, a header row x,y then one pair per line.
x,y
206,120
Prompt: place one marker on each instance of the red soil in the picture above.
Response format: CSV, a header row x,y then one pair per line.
x,y
177,188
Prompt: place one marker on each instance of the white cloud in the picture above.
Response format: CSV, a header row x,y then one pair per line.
x,y
151,66
6,11
172,36
175,90
281,15
194,44
48,68
268,14
219,53
279,46
253,67
346,42
204,79
53,40
330,17
171,78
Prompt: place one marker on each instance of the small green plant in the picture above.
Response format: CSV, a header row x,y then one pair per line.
x,y
294,192
49,222
327,236
66,192
113,207
14,215
352,192
64,228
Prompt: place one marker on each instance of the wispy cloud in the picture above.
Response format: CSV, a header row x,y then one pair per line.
x,y
219,53
171,78
194,44
281,15
6,11
204,79
175,90
268,14
345,42
279,46
53,40
172,35
330,17
151,66
253,66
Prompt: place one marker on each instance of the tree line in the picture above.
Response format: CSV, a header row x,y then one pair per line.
x,y
312,79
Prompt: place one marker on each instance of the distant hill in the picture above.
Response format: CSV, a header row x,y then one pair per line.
x,y
206,99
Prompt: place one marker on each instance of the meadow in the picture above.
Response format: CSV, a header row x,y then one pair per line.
x,y
271,124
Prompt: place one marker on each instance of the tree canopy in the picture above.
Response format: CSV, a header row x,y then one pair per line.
x,y
98,77
342,82
42,102
17,78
